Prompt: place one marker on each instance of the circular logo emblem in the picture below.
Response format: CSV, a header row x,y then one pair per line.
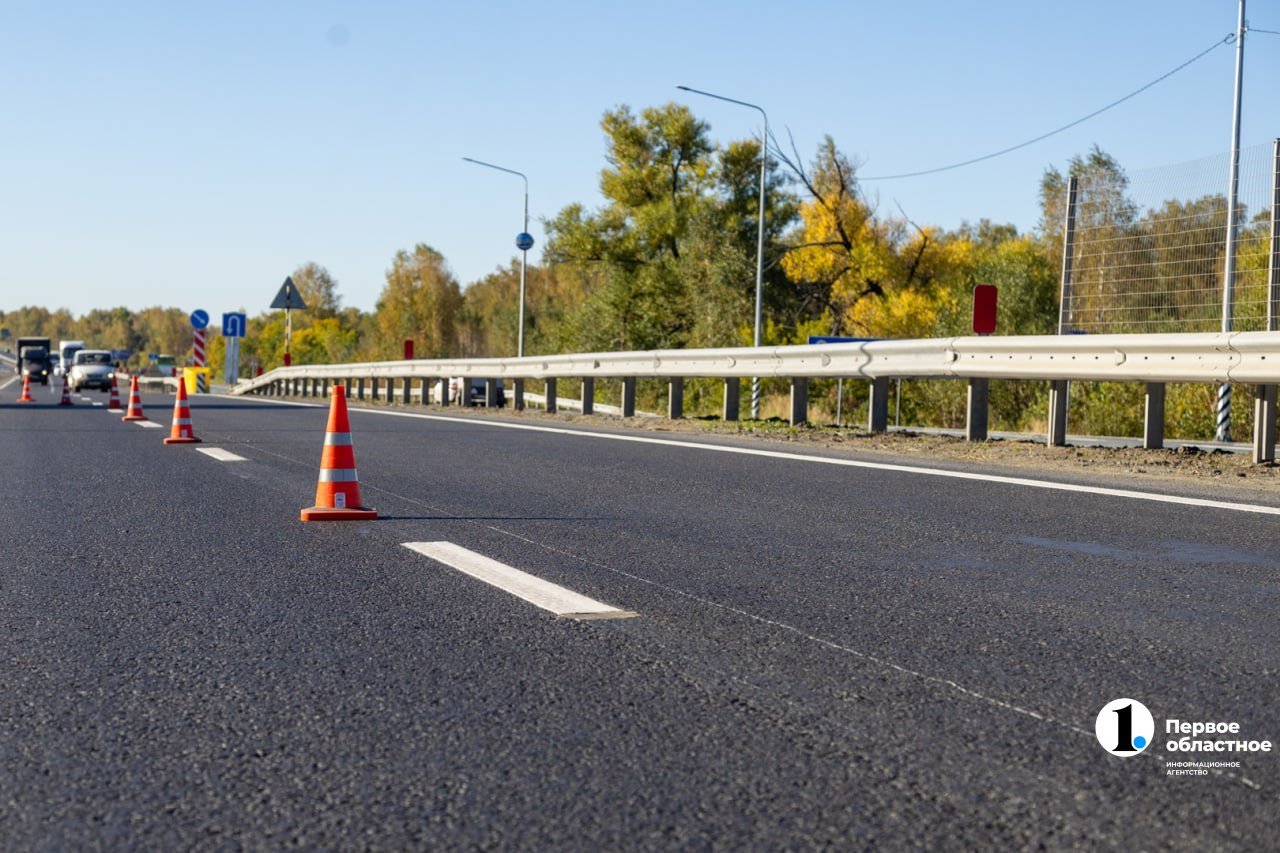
x,y
1125,727
524,241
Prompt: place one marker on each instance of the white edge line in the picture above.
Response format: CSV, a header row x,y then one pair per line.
x,y
535,590
220,454
1156,497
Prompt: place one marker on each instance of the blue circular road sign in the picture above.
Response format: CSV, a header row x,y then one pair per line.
x,y
199,319
524,241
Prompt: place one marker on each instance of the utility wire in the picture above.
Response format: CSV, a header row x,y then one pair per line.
x,y
1268,32
1231,37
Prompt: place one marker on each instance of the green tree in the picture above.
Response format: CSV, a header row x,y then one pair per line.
x,y
422,301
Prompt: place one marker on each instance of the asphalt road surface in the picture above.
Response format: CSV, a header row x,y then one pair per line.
x,y
821,654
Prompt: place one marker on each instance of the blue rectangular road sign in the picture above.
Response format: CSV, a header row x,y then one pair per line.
x,y
233,325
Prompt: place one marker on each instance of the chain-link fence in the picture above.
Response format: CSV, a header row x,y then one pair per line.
x,y
1150,247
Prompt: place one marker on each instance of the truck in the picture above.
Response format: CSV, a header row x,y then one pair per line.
x,y
65,356
34,359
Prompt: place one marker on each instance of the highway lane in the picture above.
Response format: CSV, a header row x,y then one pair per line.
x,y
822,655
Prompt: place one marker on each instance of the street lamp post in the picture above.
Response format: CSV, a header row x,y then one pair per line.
x,y
524,242
764,160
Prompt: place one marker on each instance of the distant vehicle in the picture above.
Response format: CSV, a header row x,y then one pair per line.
x,y
65,356
162,365
91,368
475,392
34,360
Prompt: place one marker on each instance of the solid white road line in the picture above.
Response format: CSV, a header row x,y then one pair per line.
x,y
544,594
147,424
98,404
1130,494
8,382
220,454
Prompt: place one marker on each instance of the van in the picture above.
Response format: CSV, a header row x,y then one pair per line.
x,y
65,357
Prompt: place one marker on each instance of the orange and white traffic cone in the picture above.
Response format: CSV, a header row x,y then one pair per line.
x,y
26,391
338,492
134,412
66,394
114,404
181,431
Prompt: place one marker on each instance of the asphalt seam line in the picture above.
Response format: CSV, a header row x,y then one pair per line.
x,y
1261,509
561,601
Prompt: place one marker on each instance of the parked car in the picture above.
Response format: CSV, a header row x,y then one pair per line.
x,y
475,392
91,368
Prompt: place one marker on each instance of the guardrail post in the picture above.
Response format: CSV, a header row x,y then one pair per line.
x,y
517,392
675,398
588,395
878,405
1264,425
404,390
491,393
550,392
979,412
346,388
1153,422
373,388
732,396
424,392
799,400
443,390
1058,391
629,397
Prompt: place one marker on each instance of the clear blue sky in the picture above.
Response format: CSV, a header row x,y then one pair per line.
x,y
193,154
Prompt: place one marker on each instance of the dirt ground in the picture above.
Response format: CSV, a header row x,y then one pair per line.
x,y
1216,469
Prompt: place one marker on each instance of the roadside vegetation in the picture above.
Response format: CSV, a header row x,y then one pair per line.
x,y
668,261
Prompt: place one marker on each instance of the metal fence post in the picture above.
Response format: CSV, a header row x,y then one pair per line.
x,y
443,382
588,395
978,411
878,405
517,394
1264,417
1153,422
491,393
675,398
360,389
404,390
1059,389
732,397
550,393
629,397
799,400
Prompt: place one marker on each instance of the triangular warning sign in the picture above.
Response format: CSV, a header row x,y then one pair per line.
x,y
289,297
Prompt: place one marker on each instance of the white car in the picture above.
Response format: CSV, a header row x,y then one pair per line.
x,y
91,368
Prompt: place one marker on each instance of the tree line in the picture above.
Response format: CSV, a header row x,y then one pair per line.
x,y
668,261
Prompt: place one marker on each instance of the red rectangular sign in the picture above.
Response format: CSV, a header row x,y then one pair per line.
x,y
984,309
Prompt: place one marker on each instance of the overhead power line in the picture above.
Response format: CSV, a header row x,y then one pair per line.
x,y
1231,37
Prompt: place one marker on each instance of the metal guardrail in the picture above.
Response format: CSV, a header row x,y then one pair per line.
x,y
1240,357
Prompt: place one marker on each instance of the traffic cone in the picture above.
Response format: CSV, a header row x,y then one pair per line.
x,y
181,431
66,394
135,404
114,404
26,391
338,492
